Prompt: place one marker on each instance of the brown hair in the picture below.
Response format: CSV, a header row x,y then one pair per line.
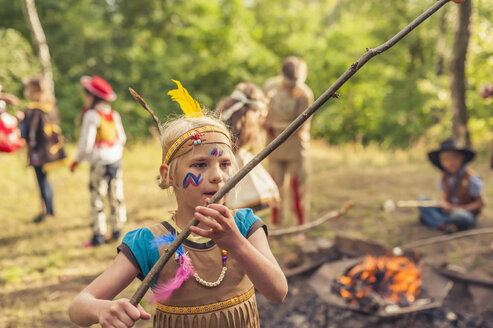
x,y
245,123
36,90
294,69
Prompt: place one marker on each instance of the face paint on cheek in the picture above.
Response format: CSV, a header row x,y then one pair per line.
x,y
190,178
215,151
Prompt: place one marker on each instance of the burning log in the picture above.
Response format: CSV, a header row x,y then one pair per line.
x,y
326,282
379,281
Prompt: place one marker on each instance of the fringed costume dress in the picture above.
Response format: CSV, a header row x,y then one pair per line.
x,y
230,304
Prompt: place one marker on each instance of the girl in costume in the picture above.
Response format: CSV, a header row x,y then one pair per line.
x,y
211,281
101,144
44,139
244,113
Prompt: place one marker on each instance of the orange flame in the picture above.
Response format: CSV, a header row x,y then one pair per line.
x,y
392,277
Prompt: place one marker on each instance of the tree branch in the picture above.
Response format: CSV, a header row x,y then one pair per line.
x,y
441,239
331,215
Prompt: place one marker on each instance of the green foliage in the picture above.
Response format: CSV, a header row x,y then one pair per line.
x,y
211,45
16,60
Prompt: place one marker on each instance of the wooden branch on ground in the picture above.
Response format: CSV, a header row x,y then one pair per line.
x,y
329,93
455,275
389,205
419,203
331,215
306,267
445,238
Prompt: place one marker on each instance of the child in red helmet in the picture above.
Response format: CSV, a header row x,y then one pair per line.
x,y
101,144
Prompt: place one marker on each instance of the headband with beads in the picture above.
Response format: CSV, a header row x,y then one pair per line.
x,y
203,135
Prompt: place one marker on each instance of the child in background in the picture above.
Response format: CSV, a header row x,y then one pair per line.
x,y
101,144
244,113
10,135
461,187
44,140
222,259
289,164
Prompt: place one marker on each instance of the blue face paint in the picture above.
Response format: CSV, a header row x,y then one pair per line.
x,y
190,178
215,151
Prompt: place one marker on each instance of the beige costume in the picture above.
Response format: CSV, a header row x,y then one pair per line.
x,y
256,190
230,304
291,158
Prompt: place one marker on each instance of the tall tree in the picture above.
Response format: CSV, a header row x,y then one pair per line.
x,y
458,76
39,40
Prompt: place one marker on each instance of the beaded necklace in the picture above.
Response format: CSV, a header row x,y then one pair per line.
x,y
201,281
221,276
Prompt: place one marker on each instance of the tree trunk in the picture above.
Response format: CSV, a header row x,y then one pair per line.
x,y
458,76
39,40
441,41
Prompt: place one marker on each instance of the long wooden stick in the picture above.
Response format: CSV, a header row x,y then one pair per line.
x,y
334,215
141,101
330,92
441,239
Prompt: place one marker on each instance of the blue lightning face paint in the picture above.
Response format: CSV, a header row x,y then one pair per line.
x,y
190,178
215,151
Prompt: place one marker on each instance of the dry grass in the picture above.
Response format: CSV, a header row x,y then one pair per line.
x,y
44,266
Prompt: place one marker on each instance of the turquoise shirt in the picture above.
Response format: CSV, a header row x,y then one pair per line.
x,y
139,241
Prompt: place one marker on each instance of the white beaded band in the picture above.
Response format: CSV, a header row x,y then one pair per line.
x,y
211,284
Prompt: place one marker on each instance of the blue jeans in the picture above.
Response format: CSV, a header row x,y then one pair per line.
x,y
45,189
436,218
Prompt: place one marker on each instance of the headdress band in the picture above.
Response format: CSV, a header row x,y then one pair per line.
x,y
204,135
242,100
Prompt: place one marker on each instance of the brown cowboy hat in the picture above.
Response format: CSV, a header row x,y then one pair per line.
x,y
450,145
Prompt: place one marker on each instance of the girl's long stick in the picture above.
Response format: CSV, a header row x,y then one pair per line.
x,y
330,92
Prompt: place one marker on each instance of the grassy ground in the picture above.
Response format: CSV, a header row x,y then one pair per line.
x,y
42,267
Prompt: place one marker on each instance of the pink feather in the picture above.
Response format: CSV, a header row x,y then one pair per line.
x,y
163,291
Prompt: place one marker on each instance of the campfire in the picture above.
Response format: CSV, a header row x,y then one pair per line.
x,y
383,280
381,284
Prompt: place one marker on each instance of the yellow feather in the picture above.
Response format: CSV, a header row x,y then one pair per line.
x,y
188,105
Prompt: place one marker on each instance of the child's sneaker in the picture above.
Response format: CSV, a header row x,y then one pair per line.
x,y
116,235
38,219
96,240
451,228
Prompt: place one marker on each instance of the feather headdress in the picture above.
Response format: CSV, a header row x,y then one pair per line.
x,y
188,105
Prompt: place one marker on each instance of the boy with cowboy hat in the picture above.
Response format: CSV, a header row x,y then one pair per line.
x,y
101,144
461,187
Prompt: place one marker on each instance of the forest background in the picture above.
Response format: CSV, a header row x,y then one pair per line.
x,y
211,45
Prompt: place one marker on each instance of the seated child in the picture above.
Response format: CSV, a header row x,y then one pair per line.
x,y
244,113
211,281
461,187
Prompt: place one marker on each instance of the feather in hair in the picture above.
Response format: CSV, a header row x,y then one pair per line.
x,y
188,105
